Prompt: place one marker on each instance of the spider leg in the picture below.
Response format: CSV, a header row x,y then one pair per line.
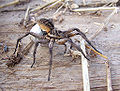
x,y
65,48
28,33
36,45
83,36
35,49
78,48
62,42
19,39
51,54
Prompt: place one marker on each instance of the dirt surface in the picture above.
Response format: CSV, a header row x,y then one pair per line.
x,y
66,75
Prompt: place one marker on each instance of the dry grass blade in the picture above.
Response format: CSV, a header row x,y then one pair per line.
x,y
94,9
44,6
11,3
26,19
56,3
59,8
11,10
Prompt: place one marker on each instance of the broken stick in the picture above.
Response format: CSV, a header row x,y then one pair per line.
x,y
108,72
84,2
27,17
86,83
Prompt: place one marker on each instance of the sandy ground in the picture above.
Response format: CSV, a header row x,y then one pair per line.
x,y
66,75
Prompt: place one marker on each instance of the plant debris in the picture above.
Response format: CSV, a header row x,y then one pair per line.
x,y
16,58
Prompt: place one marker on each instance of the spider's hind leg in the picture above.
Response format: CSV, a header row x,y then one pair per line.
x,y
78,48
86,39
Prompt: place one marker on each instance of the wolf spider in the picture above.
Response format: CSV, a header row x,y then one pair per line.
x,y
45,32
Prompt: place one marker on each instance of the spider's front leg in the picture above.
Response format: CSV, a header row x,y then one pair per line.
x,y
19,39
51,44
28,33
35,49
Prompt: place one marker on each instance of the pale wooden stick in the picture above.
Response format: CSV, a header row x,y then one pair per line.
x,y
109,81
56,3
84,2
86,83
58,14
59,8
94,9
11,3
26,19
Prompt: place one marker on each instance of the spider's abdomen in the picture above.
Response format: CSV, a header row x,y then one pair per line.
x,y
36,29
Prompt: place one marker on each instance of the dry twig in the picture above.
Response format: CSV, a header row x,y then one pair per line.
x,y
86,83
109,81
27,17
94,9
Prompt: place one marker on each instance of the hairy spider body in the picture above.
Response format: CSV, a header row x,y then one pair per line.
x,y
45,30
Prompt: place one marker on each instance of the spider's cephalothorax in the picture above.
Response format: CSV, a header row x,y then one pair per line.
x,y
42,27
45,31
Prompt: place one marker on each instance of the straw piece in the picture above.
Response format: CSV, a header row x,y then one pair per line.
x,y
94,9
9,4
27,17
44,6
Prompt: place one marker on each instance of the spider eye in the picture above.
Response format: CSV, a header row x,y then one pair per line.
x,y
44,32
59,31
